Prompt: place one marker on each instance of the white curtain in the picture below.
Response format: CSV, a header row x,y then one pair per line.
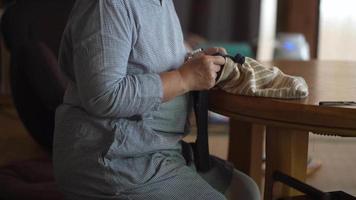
x,y
337,31
268,20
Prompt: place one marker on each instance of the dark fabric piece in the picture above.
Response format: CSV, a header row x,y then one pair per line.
x,y
201,150
30,180
239,59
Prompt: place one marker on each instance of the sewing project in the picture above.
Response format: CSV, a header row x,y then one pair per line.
x,y
245,76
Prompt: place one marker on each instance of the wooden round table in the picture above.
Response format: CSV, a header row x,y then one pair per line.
x,y
287,123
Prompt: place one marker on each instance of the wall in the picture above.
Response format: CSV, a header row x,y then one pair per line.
x,y
221,20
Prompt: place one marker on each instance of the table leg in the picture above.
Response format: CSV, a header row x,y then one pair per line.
x,y
286,151
245,148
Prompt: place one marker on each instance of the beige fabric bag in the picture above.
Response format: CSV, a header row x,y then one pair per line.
x,y
254,79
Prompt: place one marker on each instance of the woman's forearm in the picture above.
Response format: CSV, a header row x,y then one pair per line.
x,y
173,85
196,74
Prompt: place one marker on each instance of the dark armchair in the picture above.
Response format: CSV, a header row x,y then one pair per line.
x,y
32,32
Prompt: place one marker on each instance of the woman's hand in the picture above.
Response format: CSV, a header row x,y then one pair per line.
x,y
199,73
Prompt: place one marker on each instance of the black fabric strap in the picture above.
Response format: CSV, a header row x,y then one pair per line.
x,y
201,150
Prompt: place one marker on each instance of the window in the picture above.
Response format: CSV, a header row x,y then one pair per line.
x,y
337,30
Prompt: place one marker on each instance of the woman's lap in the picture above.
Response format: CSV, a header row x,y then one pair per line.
x,y
175,180
185,184
222,181
219,183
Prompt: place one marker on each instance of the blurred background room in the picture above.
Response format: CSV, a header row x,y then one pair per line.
x,y
262,29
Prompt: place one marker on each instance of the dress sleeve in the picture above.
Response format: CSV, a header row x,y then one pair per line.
x,y
100,65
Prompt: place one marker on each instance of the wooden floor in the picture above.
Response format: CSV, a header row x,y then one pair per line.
x,y
338,155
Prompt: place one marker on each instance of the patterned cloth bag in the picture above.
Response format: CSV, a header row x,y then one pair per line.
x,y
245,76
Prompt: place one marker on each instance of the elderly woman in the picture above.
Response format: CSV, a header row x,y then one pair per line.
x,y
118,132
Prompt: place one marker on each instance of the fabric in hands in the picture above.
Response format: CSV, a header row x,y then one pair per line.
x,y
254,79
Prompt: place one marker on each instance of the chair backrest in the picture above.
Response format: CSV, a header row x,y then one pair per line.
x,y
32,32
35,20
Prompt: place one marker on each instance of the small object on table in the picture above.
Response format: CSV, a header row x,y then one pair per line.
x,y
337,103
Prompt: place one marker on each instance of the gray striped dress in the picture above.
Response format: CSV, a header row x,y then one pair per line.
x,y
114,138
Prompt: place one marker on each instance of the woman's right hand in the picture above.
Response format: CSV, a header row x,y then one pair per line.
x,y
200,72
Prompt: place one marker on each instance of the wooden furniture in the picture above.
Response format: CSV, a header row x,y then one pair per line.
x,y
32,32
287,122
